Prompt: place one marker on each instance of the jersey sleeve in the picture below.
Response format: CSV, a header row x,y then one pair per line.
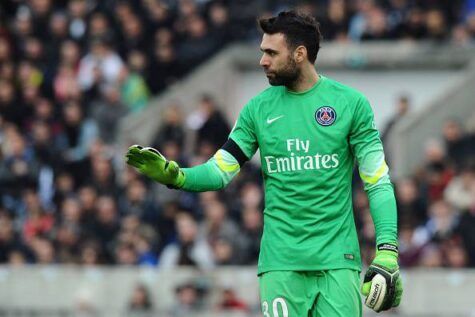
x,y
244,131
368,149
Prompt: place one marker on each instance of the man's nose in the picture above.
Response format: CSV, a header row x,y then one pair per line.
x,y
264,62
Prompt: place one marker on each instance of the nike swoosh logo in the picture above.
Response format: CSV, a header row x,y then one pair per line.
x,y
269,121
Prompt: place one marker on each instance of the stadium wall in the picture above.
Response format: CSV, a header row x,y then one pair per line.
x,y
65,290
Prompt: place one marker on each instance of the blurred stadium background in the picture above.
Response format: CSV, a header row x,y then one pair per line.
x,y
80,80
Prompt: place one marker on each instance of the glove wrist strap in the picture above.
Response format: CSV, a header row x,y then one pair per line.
x,y
387,247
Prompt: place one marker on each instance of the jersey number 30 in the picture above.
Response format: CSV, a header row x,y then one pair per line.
x,y
279,301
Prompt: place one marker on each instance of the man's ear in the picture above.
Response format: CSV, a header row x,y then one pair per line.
x,y
300,54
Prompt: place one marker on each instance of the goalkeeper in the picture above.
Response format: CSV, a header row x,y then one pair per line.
x,y
310,130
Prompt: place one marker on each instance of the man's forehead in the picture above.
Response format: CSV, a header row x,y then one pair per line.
x,y
272,40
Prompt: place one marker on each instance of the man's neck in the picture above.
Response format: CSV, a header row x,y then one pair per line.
x,y
307,79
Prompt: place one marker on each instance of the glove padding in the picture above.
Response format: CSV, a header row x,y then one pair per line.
x,y
382,284
151,163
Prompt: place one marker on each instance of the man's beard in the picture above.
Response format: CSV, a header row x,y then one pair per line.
x,y
287,76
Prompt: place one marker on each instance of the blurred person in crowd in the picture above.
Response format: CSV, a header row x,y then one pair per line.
x,y
189,300
35,221
231,302
105,226
43,251
46,147
33,51
216,224
137,202
125,254
470,22
134,90
212,128
403,106
100,67
460,192
133,36
219,23
22,26
436,173
65,84
77,13
103,176
5,50
16,258
290,45
359,19
431,257
99,27
190,249
87,195
7,70
377,27
64,186
158,14
225,251
412,210
44,110
171,128
460,36
68,230
58,33
413,26
166,223
198,43
70,54
454,253
166,65
10,240
90,254
10,108
134,230
146,253
457,143
164,36
19,169
251,233
80,133
410,247
140,302
335,22
466,232
441,224
436,25
107,113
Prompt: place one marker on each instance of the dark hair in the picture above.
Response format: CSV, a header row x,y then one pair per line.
x,y
298,28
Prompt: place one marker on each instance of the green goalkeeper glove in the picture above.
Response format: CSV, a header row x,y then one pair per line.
x,y
382,284
153,164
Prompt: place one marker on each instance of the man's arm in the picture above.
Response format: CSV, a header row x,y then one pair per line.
x,y
382,285
215,174
368,149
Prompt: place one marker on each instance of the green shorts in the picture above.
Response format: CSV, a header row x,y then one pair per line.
x,y
330,293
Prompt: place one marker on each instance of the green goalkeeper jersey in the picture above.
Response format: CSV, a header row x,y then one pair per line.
x,y
308,144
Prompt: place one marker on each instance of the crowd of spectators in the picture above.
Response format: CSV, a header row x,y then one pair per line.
x,y
70,70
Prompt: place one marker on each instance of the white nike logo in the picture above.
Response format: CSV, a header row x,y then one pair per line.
x,y
269,121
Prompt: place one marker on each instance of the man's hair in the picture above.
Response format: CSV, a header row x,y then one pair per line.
x,y
298,29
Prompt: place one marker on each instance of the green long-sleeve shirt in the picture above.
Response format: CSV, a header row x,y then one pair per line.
x,y
308,144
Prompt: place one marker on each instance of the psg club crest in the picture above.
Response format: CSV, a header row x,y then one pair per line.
x,y
325,116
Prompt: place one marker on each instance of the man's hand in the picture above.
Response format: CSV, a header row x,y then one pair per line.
x,y
153,164
382,284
